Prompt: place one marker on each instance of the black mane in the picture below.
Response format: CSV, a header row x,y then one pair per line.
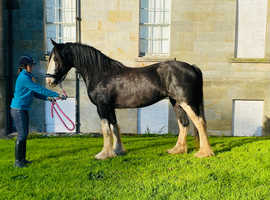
x,y
93,60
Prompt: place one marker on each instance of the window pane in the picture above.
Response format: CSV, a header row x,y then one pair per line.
x,y
145,4
69,33
67,4
51,33
165,46
145,32
151,17
165,32
156,32
159,5
50,14
156,46
69,16
151,5
167,4
143,46
167,18
144,16
159,18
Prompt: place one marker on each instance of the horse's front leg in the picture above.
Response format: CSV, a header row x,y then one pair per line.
x,y
118,147
107,151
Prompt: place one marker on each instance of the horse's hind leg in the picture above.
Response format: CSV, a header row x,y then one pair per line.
x,y
118,147
183,122
199,122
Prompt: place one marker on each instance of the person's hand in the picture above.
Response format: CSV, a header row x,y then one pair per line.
x,y
51,99
62,97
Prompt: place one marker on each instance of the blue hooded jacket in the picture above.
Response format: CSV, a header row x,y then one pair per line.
x,y
26,89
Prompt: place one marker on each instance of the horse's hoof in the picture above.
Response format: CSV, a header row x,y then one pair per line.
x,y
104,155
204,153
178,150
120,152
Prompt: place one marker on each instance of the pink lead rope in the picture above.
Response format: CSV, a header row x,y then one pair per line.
x,y
62,112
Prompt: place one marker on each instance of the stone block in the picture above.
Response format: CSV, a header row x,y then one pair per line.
x,y
116,16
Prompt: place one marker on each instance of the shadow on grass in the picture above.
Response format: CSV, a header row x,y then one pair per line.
x,y
147,146
227,145
141,140
64,153
157,142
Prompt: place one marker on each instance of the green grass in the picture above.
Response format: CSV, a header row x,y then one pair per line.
x,y
65,168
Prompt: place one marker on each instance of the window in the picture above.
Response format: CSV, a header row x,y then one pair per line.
x,y
60,21
251,34
154,27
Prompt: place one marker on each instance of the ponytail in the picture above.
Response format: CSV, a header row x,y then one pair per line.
x,y
21,67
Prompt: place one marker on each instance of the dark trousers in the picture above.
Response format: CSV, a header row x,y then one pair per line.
x,y
21,121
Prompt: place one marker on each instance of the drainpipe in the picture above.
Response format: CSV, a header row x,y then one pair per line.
x,y
78,39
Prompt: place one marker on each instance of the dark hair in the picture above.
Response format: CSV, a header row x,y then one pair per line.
x,y
21,67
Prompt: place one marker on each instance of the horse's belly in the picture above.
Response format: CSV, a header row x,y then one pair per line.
x,y
137,100
136,90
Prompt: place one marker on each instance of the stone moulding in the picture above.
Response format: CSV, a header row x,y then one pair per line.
x,y
250,60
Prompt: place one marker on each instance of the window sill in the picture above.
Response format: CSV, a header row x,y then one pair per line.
x,y
250,60
154,59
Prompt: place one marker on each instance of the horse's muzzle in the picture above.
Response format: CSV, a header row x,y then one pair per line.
x,y
50,79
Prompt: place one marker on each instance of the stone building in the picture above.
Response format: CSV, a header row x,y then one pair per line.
x,y
228,40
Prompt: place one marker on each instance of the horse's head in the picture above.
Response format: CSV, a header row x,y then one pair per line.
x,y
59,64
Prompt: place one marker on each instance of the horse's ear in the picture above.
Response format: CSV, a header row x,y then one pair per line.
x,y
53,42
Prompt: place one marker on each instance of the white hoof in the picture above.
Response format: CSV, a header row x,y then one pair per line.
x,y
178,149
104,155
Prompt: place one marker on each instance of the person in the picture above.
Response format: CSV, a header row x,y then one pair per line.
x,y
25,90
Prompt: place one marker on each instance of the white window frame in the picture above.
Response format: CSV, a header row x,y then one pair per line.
x,y
153,23
62,15
251,35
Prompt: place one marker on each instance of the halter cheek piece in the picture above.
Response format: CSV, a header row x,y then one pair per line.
x,y
56,77
50,75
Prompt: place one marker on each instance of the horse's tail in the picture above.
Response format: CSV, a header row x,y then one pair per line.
x,y
200,95
200,102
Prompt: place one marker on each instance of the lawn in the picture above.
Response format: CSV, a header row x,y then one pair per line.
x,y
65,168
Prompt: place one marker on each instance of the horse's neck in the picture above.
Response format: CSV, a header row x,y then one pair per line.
x,y
85,76
90,79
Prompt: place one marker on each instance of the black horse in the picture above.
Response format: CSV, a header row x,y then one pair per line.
x,y
112,85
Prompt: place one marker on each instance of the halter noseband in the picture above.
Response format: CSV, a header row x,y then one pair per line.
x,y
56,77
50,75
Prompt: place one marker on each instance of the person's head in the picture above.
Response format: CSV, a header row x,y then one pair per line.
x,y
26,62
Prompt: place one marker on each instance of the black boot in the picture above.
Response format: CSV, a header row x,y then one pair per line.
x,y
4,135
19,154
24,153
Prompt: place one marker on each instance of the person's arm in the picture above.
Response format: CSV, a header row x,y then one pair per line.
x,y
38,89
40,96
